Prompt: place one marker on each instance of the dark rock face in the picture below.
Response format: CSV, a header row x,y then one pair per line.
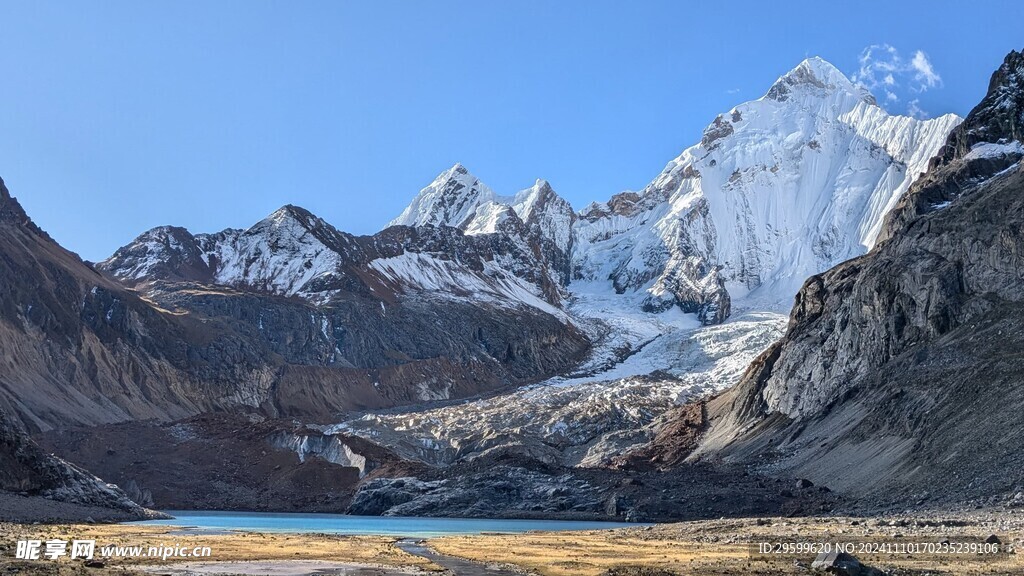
x,y
718,129
518,486
899,367
998,119
79,348
12,212
1000,116
673,443
27,470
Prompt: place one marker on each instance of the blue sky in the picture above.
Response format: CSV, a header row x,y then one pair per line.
x,y
119,116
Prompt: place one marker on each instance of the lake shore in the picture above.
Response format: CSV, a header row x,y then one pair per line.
x,y
700,547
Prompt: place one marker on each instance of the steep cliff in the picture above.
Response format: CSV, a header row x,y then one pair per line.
x,y
899,375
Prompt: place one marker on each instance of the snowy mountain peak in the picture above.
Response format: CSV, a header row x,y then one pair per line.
x,y
816,76
817,68
290,213
452,199
525,202
289,216
778,189
536,217
458,199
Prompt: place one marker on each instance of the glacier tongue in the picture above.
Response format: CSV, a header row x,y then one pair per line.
x,y
643,364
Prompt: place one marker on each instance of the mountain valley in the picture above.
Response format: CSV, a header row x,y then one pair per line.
x,y
510,356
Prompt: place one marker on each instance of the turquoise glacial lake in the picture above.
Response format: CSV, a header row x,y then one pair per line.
x,y
206,522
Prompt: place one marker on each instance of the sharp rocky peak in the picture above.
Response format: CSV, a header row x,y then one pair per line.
x,y
291,213
458,199
453,179
450,200
9,208
538,198
11,211
998,118
291,226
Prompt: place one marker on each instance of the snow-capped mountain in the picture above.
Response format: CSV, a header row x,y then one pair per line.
x,y
453,199
290,252
460,200
294,253
778,189
404,316
898,369
537,214
590,315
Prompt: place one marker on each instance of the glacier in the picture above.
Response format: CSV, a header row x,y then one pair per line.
x,y
682,284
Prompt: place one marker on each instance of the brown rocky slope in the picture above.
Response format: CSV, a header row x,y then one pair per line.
x,y
79,348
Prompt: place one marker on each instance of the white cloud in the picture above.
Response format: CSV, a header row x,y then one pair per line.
x,y
914,110
732,91
885,70
924,72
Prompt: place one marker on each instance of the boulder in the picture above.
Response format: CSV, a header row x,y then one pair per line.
x,y
843,564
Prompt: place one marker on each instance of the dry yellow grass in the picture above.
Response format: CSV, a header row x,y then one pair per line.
x,y
586,553
718,547
224,547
